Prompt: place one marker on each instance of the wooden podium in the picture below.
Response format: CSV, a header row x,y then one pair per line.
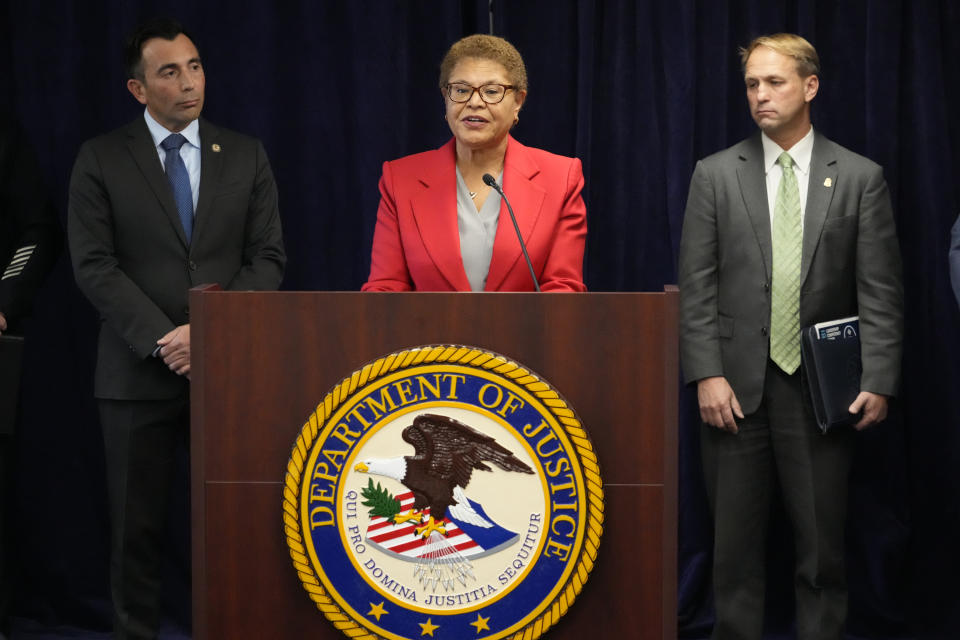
x,y
263,361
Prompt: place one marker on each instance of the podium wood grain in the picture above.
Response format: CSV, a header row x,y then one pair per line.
x,y
263,361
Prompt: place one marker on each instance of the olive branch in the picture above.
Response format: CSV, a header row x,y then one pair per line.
x,y
380,500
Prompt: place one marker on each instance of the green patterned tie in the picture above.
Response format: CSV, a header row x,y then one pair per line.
x,y
785,290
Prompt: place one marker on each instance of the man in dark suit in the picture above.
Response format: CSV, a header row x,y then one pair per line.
x,y
158,206
30,242
783,230
955,258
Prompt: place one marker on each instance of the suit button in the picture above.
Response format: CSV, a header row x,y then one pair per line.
x,y
766,286
192,265
763,331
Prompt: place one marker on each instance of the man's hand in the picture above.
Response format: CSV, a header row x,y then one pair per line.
x,y
718,403
3,323
175,350
874,408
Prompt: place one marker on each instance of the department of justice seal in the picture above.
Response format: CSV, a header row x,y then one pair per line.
x,y
443,491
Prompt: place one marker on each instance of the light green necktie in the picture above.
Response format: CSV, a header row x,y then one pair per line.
x,y
785,289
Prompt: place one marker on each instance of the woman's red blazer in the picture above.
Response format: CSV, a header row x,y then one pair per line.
x,y
416,243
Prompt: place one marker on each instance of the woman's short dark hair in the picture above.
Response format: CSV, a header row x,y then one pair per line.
x,y
485,47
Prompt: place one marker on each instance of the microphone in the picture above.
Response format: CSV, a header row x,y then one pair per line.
x,y
490,181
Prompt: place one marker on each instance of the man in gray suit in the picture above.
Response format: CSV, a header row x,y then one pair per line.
x,y
783,230
158,206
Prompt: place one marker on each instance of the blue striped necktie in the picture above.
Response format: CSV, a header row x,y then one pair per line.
x,y
179,181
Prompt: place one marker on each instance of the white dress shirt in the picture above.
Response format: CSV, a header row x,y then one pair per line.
x,y
801,154
189,152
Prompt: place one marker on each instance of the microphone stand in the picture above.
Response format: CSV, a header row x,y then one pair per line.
x,y
490,181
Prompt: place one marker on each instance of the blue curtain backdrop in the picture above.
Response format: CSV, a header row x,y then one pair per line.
x,y
639,90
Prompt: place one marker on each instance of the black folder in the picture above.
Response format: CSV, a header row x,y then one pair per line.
x,y
831,361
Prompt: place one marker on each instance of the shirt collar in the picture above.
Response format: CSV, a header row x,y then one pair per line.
x,y
801,152
159,133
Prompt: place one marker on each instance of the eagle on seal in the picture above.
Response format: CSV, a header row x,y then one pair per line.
x,y
446,452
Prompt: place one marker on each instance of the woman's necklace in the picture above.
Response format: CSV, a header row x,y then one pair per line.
x,y
474,194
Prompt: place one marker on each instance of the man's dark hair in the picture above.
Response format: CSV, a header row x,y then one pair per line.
x,y
166,28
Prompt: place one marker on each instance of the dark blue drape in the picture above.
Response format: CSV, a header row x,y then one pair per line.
x,y
638,90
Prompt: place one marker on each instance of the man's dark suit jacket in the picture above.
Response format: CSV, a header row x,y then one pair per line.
x,y
850,265
30,236
955,258
130,255
30,243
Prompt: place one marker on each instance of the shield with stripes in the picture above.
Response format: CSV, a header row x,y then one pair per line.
x,y
469,540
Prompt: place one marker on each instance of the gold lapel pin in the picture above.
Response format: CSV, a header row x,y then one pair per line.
x,y
216,149
828,182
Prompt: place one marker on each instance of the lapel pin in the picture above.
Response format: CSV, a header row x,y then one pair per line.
x,y
828,182
216,149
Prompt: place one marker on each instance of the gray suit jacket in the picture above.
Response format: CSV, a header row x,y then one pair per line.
x,y
955,258
130,255
850,265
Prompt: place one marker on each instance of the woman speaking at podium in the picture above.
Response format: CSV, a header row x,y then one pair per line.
x,y
442,227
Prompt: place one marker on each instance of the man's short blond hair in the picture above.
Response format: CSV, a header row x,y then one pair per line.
x,y
786,44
